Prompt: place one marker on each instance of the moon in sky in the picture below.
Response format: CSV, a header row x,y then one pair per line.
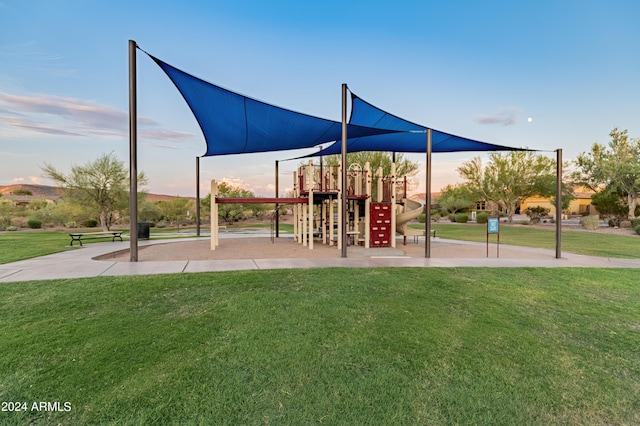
x,y
529,119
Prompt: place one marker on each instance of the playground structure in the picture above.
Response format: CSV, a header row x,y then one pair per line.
x,y
377,207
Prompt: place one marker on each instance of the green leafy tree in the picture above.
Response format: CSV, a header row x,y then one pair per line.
x,y
6,212
454,198
205,206
509,179
231,213
175,209
148,211
610,205
615,167
100,186
376,159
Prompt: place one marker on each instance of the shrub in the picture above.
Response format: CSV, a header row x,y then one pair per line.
x,y
591,222
451,217
637,229
90,223
526,222
482,217
422,218
625,224
72,224
5,221
461,217
34,223
11,228
635,222
536,212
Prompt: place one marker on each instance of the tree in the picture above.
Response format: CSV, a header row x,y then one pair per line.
x,y
175,209
510,178
455,198
611,206
376,159
230,213
615,167
101,186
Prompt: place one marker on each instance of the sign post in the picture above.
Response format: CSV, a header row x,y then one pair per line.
x,y
493,227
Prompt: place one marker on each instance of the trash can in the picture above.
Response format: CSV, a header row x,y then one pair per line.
x,y
143,230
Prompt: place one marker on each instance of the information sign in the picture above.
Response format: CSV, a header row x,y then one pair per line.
x,y
493,227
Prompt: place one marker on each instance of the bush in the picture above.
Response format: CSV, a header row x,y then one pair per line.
x,y
422,218
635,222
482,217
11,228
591,222
536,212
90,223
34,224
637,229
462,218
451,217
526,222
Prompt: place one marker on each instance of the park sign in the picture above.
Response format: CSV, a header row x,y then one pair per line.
x,y
493,227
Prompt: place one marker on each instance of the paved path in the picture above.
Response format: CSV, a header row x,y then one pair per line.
x,y
80,263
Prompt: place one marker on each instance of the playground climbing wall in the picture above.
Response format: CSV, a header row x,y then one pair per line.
x,y
380,223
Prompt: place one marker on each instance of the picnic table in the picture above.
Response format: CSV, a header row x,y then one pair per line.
x,y
79,236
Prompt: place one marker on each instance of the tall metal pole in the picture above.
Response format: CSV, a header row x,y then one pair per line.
x,y
427,221
198,196
343,236
133,155
277,205
558,203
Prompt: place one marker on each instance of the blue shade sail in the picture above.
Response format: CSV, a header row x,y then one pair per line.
x,y
236,124
412,138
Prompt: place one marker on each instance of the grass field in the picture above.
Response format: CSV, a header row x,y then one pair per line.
x,y
587,243
334,346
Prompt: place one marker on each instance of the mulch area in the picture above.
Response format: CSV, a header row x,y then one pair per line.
x,y
286,248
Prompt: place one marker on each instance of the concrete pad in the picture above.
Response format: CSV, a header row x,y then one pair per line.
x,y
145,268
220,265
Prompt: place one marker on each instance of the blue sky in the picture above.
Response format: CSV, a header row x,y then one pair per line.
x,y
475,69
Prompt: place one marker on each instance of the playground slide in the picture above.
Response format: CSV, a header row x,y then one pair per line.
x,y
413,209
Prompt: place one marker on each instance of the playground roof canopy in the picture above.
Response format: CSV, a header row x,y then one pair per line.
x,y
236,124
411,139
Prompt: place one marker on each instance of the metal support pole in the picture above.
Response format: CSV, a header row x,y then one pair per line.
x,y
558,203
427,222
343,221
277,212
133,156
197,196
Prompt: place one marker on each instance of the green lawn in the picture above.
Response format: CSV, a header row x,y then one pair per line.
x,y
396,346
21,245
587,243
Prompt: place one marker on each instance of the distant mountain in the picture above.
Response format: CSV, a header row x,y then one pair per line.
x,y
54,193
37,192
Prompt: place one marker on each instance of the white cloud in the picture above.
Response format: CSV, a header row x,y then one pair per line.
x,y
506,117
57,115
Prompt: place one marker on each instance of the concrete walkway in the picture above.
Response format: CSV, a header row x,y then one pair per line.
x,y
80,263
